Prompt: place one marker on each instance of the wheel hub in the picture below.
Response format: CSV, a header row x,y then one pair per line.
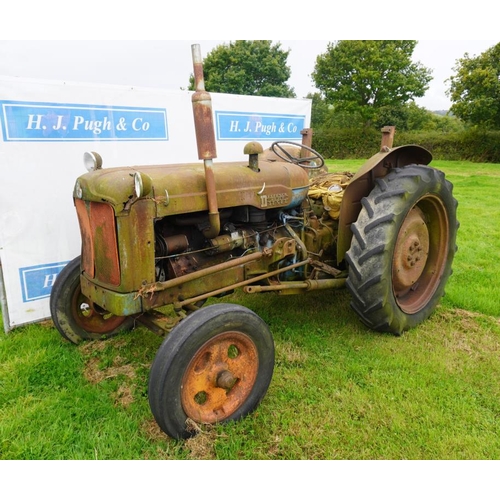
x,y
219,378
411,252
226,380
91,318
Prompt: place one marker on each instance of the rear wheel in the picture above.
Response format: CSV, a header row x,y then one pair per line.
x,y
215,366
402,249
75,316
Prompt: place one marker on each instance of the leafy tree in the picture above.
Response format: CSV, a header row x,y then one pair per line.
x,y
365,75
319,110
247,67
408,117
411,117
447,123
475,89
326,116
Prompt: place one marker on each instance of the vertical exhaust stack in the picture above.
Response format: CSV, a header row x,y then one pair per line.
x,y
205,140
387,138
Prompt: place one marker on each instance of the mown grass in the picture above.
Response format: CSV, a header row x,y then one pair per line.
x,y
339,391
477,272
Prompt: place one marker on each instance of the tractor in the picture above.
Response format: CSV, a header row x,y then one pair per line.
x,y
275,222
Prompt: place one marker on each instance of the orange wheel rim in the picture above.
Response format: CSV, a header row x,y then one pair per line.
x,y
420,254
220,377
92,318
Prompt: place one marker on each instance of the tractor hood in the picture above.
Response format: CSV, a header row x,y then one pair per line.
x,y
182,188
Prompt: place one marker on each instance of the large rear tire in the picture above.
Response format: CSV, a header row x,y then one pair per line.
x,y
402,249
76,317
215,366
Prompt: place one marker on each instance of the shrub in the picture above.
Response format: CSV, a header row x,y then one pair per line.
x,y
473,144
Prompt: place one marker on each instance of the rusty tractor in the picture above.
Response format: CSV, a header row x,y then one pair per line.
x,y
177,235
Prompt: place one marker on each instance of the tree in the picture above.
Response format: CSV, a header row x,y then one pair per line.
x,y
475,89
325,116
411,117
366,75
319,110
247,67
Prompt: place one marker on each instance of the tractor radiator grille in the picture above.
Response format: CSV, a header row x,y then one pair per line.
x,y
99,244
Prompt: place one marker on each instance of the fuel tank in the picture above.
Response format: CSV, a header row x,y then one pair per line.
x,y
181,188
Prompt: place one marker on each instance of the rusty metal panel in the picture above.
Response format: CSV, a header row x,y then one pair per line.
x,y
363,181
87,255
137,245
103,228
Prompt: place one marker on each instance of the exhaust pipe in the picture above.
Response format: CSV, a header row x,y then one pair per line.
x,y
205,140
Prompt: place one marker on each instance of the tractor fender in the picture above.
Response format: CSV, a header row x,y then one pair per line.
x,y
363,182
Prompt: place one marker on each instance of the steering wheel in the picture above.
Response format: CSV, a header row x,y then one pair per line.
x,y
279,149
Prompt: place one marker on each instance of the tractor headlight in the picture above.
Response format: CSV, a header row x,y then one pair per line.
x,y
138,185
92,160
78,193
142,184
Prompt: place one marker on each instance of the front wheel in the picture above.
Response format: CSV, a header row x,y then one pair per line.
x,y
75,316
402,249
215,366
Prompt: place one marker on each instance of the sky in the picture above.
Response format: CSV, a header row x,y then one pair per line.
x,y
167,64
140,44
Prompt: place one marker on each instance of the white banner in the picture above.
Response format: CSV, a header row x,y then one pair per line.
x,y
46,126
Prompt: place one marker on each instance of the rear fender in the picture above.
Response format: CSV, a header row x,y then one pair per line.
x,y
363,181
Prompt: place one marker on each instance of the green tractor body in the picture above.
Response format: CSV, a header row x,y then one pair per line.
x,y
275,222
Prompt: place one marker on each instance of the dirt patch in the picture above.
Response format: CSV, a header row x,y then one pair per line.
x,y
94,374
153,431
289,354
91,347
124,396
469,334
201,445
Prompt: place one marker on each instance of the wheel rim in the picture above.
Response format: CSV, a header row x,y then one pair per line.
x,y
420,254
91,317
220,377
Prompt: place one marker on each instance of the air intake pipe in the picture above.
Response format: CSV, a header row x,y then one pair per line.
x,y
205,140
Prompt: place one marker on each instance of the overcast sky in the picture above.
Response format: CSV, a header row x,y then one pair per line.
x,y
84,41
168,64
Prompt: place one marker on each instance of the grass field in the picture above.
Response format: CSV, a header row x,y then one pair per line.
x,y
339,391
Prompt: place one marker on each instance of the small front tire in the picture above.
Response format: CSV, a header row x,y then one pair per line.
x,y
75,316
215,366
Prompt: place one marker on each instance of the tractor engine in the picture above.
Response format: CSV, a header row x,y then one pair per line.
x,y
181,247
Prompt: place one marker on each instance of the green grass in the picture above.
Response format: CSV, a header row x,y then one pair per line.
x,y
339,391
477,268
